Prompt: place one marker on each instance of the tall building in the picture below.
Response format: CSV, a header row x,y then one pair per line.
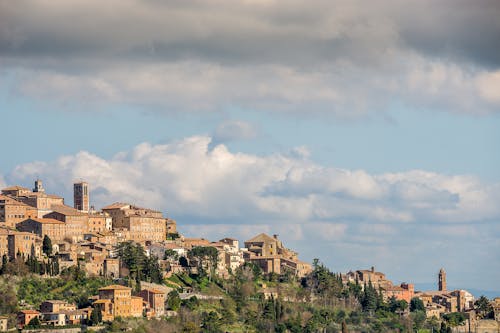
x,y
81,196
442,280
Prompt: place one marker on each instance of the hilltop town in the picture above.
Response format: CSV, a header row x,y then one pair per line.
x,y
144,268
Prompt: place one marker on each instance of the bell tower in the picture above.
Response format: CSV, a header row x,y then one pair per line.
x,y
442,280
81,196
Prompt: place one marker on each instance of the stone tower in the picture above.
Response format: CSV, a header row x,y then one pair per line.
x,y
38,186
442,280
81,196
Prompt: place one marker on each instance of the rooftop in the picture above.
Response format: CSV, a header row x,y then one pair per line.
x,y
45,220
115,287
260,238
66,210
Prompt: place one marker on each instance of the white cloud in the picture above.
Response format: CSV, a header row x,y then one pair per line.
x,y
349,218
487,84
188,178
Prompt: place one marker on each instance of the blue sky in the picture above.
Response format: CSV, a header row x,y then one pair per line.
x,y
362,134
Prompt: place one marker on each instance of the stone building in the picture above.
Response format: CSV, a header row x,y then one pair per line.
x,y
117,301
36,198
25,316
270,255
144,224
13,211
155,300
24,243
54,229
56,306
76,222
403,292
99,222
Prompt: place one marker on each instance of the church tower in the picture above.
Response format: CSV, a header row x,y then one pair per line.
x,y
81,196
442,280
38,186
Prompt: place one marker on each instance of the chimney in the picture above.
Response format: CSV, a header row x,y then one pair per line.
x,y
275,236
373,269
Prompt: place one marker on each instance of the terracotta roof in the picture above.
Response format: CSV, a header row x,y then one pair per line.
x,y
260,238
101,301
66,210
45,220
15,187
117,205
12,201
115,287
153,291
55,301
29,312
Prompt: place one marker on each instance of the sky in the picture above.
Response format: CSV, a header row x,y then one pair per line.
x,y
363,133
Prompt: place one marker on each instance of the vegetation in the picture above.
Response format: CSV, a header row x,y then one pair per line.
x,y
248,301
47,245
141,267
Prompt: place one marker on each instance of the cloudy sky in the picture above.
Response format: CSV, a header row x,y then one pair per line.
x,y
363,133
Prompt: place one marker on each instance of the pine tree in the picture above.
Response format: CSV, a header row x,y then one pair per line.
x,y
47,245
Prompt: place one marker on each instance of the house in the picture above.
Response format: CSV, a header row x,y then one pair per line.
x,y
54,319
117,301
155,300
269,254
25,316
52,306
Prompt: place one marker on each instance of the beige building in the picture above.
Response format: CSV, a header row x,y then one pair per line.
x,y
56,306
155,300
4,241
99,222
144,224
54,229
76,222
24,243
13,211
270,255
117,301
36,198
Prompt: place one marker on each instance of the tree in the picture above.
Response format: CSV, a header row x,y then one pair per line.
x,y
34,323
205,257
96,316
47,245
173,300
210,322
484,308
416,304
454,318
4,264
